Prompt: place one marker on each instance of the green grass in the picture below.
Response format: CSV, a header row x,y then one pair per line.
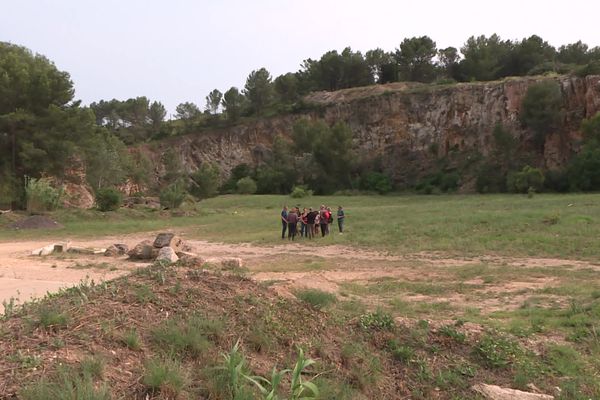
x,y
316,298
166,376
463,224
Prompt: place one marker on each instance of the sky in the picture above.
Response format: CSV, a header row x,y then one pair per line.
x,y
179,50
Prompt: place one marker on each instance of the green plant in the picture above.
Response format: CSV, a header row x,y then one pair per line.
x,y
205,181
529,179
165,376
299,192
66,386
108,199
376,182
173,195
451,332
234,370
131,339
377,320
41,196
401,353
52,319
315,297
497,351
246,185
92,367
189,336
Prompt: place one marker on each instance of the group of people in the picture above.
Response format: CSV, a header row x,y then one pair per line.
x,y
310,221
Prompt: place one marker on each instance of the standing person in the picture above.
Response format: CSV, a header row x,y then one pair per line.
x,y
317,222
304,223
340,219
324,221
310,221
284,221
292,219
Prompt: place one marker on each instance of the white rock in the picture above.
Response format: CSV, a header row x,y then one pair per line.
x,y
44,251
226,262
493,392
167,254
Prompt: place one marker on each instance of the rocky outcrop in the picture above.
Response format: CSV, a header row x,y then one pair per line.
x,y
408,126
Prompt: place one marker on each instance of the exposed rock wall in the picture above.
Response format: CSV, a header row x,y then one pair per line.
x,y
408,125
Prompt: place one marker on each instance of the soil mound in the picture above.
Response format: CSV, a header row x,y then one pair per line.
x,y
35,222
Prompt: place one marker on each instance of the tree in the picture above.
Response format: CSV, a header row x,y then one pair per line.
x,y
415,59
187,112
541,109
205,181
233,102
584,170
483,58
448,61
156,115
336,71
378,60
213,100
259,90
574,53
286,87
526,55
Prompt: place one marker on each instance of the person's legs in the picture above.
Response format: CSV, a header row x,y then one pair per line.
x,y
283,228
341,225
323,229
292,231
311,231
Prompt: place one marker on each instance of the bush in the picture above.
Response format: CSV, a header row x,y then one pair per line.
x,y
376,182
490,179
541,108
316,298
438,182
108,199
556,181
378,320
522,181
205,181
173,195
246,186
41,196
299,192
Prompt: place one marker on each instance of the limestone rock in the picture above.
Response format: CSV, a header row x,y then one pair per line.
x,y
169,240
190,259
62,247
117,249
493,392
143,251
226,262
167,254
44,251
85,250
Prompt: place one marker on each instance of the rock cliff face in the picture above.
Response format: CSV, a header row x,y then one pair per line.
x,y
408,126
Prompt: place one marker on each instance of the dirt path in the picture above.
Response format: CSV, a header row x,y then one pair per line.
x,y
23,276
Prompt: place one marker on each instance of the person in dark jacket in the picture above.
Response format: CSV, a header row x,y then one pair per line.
x,y
284,221
292,219
340,219
310,222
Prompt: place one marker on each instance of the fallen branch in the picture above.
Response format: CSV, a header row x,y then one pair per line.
x,y
5,211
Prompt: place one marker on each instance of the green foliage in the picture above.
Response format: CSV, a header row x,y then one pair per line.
x,y
377,320
438,182
205,181
67,386
131,340
108,199
52,319
415,57
259,90
299,192
233,103
107,161
316,298
41,196
490,179
164,376
376,182
498,351
92,367
541,109
584,170
173,195
213,101
451,332
187,337
246,185
522,181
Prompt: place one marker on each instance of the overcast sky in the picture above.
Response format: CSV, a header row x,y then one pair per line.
x,y
179,50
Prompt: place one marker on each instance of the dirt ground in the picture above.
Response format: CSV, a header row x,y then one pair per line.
x,y
286,267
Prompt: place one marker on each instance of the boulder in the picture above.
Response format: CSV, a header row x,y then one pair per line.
x,y
169,240
117,249
226,262
44,251
167,254
62,247
143,251
190,259
493,392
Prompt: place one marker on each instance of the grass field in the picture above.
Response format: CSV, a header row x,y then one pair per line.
x,y
500,288
544,226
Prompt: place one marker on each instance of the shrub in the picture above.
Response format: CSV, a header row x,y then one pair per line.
x,y
173,195
205,181
131,340
490,179
556,181
541,108
497,351
108,199
316,298
52,319
41,196
528,177
376,182
299,192
246,186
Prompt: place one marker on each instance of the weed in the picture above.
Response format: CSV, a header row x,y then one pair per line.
x,y
92,367
67,385
26,361
165,376
52,319
316,298
450,379
377,320
497,351
451,332
181,337
402,353
565,360
131,340
9,307
144,294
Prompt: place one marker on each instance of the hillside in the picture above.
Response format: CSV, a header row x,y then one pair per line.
x,y
410,127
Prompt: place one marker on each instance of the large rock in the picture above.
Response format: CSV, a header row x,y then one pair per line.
x,y
117,249
167,254
190,259
170,240
143,251
493,392
44,251
226,262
